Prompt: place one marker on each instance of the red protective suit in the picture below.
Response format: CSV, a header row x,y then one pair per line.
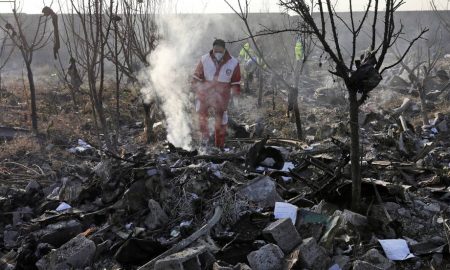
x,y
213,83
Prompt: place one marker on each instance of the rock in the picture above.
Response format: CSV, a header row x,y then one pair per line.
x,y
135,198
357,220
268,257
327,239
10,238
33,187
391,207
188,259
261,190
75,254
241,266
404,212
312,255
342,261
22,214
59,233
283,233
157,217
442,126
219,265
374,257
432,207
222,266
103,170
71,190
361,265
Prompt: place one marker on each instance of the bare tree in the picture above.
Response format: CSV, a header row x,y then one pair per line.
x,y
242,12
27,46
135,37
421,67
359,76
5,54
87,34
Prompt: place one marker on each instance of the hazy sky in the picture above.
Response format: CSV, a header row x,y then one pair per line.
x,y
219,6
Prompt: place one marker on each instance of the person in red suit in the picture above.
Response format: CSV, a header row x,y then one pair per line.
x,y
216,79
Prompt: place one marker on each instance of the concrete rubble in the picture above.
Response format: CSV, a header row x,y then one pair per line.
x,y
158,209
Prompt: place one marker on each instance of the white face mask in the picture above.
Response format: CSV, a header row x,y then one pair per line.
x,y
218,56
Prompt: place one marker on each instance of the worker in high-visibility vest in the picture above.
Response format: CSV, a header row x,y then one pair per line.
x,y
247,58
246,53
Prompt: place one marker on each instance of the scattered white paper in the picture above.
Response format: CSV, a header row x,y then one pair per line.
x,y
285,210
335,267
268,162
396,249
63,206
82,146
287,166
152,172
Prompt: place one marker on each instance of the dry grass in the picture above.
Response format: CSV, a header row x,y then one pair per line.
x,y
20,147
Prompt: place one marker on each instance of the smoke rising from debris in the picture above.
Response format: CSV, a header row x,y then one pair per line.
x,y
168,77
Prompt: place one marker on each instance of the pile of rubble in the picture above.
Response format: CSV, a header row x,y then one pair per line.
x,y
268,204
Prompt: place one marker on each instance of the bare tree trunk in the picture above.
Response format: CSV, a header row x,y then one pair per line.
x,y
34,123
117,85
298,121
423,104
260,90
355,166
148,122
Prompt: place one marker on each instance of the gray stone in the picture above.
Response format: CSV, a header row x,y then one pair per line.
x,y
75,254
442,126
282,233
70,190
341,260
373,256
103,170
268,257
135,198
391,206
221,266
432,207
362,265
32,187
357,220
10,238
22,214
312,255
157,217
59,233
262,191
189,259
241,266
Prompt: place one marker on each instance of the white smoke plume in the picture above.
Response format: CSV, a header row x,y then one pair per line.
x,y
168,77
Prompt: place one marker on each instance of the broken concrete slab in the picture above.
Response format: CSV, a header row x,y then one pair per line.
x,y
157,217
59,233
362,265
75,254
283,233
188,259
10,238
374,257
261,190
268,257
312,255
